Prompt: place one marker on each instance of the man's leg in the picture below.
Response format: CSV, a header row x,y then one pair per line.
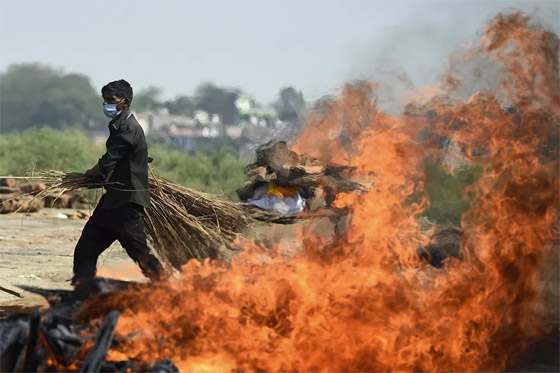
x,y
132,237
96,237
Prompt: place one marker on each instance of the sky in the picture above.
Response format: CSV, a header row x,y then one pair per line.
x,y
258,46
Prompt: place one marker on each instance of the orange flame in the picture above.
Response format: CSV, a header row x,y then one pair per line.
x,y
365,302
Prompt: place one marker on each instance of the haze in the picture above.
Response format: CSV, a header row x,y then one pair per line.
x,y
256,46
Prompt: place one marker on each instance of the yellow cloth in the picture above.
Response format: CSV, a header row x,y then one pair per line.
x,y
276,190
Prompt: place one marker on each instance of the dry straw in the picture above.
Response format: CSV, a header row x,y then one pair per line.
x,y
182,223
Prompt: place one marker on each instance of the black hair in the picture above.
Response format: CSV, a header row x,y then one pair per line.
x,y
119,88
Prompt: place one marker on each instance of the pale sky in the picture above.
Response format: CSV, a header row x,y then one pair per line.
x,y
258,46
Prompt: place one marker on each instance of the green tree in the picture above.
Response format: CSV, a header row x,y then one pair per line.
x,y
147,99
216,100
289,105
181,105
35,95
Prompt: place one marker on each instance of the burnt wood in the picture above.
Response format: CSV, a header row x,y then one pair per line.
x,y
96,356
35,356
25,339
13,334
62,332
163,366
445,243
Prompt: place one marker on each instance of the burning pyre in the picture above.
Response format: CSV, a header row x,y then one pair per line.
x,y
366,301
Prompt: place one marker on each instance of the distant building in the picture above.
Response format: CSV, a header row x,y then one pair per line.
x,y
249,113
240,119
154,121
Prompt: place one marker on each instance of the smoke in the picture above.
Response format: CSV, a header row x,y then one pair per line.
x,y
430,43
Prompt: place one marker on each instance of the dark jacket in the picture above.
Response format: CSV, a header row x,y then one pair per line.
x,y
125,164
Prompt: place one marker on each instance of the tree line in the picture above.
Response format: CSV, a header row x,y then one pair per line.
x,y
36,95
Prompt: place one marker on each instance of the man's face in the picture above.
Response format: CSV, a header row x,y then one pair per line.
x,y
112,99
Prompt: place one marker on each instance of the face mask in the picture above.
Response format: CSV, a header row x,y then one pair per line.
x,y
110,110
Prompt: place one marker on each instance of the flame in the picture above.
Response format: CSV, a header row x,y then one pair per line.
x,y
365,302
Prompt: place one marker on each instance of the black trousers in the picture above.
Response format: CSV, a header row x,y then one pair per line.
x,y
124,224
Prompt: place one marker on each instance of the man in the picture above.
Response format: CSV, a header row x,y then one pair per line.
x,y
124,169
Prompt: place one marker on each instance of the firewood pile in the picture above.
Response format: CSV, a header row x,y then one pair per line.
x,y
64,339
16,197
277,163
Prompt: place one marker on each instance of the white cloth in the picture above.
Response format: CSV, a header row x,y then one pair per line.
x,y
286,205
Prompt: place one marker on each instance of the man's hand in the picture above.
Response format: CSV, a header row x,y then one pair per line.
x,y
94,171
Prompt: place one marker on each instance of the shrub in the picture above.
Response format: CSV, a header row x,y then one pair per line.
x,y
47,148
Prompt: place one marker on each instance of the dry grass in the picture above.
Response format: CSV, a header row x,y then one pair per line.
x,y
186,224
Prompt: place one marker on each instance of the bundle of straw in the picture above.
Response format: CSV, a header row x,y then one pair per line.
x,y
186,224
182,223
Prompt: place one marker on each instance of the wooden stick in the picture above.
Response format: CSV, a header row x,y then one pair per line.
x,y
103,339
10,292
